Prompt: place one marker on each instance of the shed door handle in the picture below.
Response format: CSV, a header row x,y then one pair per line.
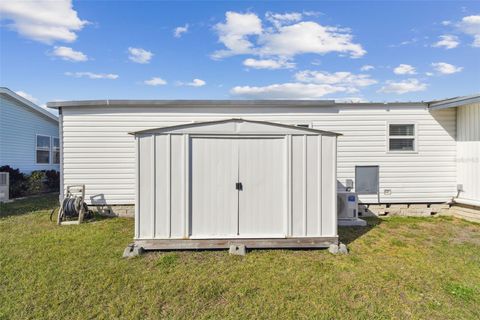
x,y
239,186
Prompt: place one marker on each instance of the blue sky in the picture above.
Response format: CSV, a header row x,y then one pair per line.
x,y
358,51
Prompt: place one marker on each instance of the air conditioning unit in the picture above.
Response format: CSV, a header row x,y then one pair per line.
x,y
347,209
4,186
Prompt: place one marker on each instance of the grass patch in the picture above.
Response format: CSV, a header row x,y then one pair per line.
x,y
403,268
167,261
460,291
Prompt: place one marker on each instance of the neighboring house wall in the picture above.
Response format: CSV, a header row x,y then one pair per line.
x,y
98,151
468,151
19,126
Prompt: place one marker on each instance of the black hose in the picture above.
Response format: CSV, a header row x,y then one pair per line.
x,y
51,213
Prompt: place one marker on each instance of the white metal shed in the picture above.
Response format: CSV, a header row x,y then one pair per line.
x,y
217,183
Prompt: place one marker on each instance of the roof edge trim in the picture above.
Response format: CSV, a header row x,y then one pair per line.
x,y
28,103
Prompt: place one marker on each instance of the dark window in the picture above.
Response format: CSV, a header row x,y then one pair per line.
x,y
401,137
43,149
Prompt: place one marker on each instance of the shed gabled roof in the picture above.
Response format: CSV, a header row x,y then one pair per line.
x,y
27,103
236,126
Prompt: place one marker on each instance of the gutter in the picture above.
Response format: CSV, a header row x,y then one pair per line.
x,y
475,203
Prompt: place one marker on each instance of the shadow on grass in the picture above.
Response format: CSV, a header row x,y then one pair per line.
x,y
29,205
349,234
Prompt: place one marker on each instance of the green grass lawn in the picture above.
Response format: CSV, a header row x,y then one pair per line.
x,y
419,268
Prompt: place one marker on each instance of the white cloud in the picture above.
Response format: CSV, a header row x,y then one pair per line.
x,y
303,91
367,67
43,20
308,37
155,81
446,22
244,34
350,100
178,31
447,41
197,83
27,96
68,54
405,43
139,55
194,83
404,69
401,87
308,85
234,33
471,26
92,75
346,79
446,68
268,64
279,19
312,13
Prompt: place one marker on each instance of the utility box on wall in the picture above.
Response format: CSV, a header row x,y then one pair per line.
x,y
204,185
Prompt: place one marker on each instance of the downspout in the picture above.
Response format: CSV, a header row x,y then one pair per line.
x,y
60,132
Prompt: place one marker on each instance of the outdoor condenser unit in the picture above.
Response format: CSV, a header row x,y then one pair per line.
x,y
4,185
347,209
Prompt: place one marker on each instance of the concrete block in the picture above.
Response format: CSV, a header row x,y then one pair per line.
x,y
333,248
440,206
398,206
132,251
393,211
338,249
417,206
342,249
238,249
425,212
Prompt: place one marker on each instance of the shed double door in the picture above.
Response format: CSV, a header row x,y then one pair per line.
x,y
237,187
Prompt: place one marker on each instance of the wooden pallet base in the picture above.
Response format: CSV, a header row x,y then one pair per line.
x,y
203,244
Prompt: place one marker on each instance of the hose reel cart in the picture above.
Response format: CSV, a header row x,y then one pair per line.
x,y
72,206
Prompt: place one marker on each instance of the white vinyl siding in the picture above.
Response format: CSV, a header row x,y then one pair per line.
x,y
19,127
99,152
468,151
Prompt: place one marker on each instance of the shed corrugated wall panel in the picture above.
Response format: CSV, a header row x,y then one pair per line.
x,y
468,151
427,176
146,192
329,196
313,200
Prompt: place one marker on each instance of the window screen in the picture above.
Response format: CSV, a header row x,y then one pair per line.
x,y
43,149
366,179
56,150
402,130
401,137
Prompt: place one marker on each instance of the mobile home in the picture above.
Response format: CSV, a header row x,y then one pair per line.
x,y
388,153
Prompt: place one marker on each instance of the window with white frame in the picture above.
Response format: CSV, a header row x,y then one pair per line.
x,y
55,150
401,137
43,149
